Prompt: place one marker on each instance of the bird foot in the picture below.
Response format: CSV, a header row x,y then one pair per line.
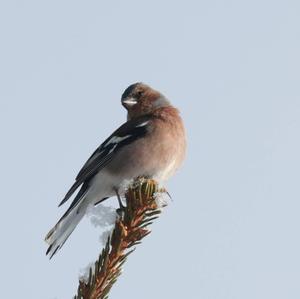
x,y
121,212
165,191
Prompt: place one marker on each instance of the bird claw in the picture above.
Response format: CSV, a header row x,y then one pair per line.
x,y
121,212
164,190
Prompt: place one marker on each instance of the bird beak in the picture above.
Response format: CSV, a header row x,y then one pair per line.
x,y
129,102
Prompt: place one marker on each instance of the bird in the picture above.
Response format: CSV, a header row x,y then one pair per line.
x,y
150,144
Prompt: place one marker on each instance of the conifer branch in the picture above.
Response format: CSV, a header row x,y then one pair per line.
x,y
130,228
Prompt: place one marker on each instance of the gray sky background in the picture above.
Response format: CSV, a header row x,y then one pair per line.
x,y
232,67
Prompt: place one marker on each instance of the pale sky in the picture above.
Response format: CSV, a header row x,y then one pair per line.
x,y
231,67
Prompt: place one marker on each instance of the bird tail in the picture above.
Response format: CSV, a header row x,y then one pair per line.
x,y
59,234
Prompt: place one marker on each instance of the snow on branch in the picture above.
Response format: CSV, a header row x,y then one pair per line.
x,y
130,228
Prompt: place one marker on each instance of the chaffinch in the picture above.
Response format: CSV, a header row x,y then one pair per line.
x,y
150,144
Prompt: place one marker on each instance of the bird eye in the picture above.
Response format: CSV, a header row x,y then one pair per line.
x,y
139,94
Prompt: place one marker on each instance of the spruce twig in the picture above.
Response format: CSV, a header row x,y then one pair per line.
x,y
140,211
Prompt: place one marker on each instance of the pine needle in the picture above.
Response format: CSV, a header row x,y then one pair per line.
x,y
140,211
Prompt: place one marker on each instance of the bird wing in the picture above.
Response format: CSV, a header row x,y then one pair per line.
x,y
124,135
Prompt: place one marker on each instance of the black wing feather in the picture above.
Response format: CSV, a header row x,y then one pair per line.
x,y
134,129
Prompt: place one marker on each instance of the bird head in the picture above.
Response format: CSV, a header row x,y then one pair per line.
x,y
140,99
